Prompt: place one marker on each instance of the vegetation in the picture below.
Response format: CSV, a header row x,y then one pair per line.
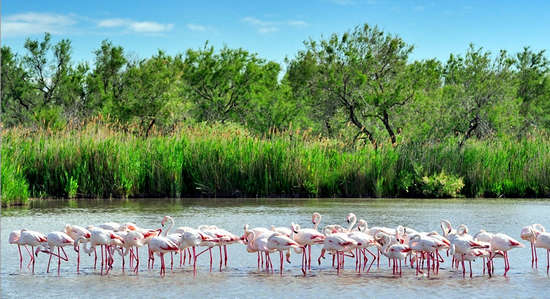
x,y
348,115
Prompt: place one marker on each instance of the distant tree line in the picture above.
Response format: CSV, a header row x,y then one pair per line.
x,y
360,86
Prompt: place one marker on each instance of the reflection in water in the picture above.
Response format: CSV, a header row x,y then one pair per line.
x,y
242,278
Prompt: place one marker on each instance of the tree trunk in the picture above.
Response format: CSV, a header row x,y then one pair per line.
x,y
150,127
386,121
473,125
362,129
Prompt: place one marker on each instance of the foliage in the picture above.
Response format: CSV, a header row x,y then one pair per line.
x,y
227,160
442,185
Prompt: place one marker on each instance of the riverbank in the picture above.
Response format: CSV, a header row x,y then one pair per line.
x,y
225,161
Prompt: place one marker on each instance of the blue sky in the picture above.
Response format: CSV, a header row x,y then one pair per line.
x,y
275,29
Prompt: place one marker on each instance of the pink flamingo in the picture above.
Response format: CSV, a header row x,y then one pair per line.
x,y
75,232
543,241
504,243
14,239
280,242
162,245
528,233
338,243
56,240
33,239
306,238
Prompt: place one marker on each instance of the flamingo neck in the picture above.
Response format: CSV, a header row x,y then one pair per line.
x,y
352,223
317,221
165,233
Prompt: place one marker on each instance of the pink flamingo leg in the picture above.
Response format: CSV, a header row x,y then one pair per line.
x,y
58,261
281,263
49,260
20,257
225,250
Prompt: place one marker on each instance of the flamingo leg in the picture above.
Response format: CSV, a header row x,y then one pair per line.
x,y
470,262
210,252
532,256
31,256
304,261
463,267
281,263
137,260
536,257
194,261
373,258
309,257
78,260
162,265
225,251
49,260
32,259
58,260
20,257
95,257
221,257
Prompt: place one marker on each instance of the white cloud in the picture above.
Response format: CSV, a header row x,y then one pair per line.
x,y
268,29
196,27
112,23
30,23
269,26
297,23
141,27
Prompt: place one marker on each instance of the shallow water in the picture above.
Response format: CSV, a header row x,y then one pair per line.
x,y
242,278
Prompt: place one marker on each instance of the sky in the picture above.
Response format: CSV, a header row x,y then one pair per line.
x,y
275,29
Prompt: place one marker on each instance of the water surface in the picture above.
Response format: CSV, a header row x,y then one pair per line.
x,y
242,278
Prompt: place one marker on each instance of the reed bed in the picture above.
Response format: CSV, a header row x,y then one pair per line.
x,y
201,160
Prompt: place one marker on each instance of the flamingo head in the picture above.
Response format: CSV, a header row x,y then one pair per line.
x,y
315,218
350,217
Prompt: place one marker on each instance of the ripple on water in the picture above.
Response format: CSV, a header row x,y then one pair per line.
x,y
243,279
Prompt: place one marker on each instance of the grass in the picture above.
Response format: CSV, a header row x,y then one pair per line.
x,y
201,160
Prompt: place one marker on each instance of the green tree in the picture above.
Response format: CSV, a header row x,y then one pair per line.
x,y
362,74
149,85
221,85
532,76
476,83
18,94
105,82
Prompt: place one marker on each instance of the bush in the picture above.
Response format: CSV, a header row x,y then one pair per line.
x,y
442,185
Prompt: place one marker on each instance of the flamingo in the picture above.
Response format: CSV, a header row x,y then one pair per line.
x,y
75,232
281,242
56,240
31,238
147,235
162,245
14,239
131,239
112,226
528,233
504,243
395,252
306,237
543,241
103,238
462,245
363,241
428,246
337,243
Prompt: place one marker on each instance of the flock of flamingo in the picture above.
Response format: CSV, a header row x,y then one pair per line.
x,y
420,250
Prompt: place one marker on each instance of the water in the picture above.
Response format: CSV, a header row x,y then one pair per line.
x,y
242,278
